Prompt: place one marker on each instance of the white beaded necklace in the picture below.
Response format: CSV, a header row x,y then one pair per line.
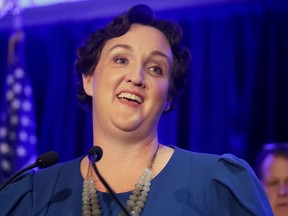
x,y
137,199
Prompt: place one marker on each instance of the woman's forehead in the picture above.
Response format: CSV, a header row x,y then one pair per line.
x,y
140,31
141,37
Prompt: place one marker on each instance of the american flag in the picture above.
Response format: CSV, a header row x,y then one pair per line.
x,y
17,121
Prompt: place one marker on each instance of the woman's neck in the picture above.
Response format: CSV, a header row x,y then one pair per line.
x,y
123,162
123,173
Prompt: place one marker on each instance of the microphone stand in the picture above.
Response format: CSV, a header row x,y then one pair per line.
x,y
45,160
92,159
31,166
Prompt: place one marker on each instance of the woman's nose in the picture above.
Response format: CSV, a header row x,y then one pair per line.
x,y
136,77
283,189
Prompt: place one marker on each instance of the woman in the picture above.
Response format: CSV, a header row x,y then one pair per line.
x,y
130,73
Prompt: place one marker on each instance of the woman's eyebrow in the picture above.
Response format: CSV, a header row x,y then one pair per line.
x,y
161,54
123,46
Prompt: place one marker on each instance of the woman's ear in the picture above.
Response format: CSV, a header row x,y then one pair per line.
x,y
88,84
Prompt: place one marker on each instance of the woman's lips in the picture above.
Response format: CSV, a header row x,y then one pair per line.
x,y
131,97
282,204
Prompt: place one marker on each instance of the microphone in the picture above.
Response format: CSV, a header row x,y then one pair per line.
x,y
95,154
45,160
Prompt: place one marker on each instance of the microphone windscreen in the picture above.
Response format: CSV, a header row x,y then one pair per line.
x,y
47,159
96,151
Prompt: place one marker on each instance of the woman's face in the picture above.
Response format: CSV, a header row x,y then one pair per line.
x,y
130,83
275,182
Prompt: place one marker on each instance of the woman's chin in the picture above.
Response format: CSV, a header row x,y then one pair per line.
x,y
281,210
128,125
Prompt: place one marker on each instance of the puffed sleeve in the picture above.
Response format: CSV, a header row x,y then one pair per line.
x,y
236,189
16,198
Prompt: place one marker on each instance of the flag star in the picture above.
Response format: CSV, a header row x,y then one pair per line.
x,y
4,148
23,136
9,95
19,72
5,165
21,151
33,139
25,121
15,104
17,88
9,79
27,90
3,131
14,119
26,105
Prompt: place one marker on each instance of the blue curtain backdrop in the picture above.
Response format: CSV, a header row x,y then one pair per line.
x,y
237,95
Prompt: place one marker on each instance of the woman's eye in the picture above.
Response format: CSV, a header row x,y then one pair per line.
x,y
121,60
272,183
156,70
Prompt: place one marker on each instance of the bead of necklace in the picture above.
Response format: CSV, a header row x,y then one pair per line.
x,y
136,201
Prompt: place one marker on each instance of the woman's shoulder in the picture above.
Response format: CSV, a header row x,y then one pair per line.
x,y
195,158
230,180
219,167
30,178
18,197
208,159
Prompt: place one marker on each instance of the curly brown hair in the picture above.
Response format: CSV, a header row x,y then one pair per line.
x,y
89,53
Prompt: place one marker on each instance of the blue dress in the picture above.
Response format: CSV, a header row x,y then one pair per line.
x,y
190,184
